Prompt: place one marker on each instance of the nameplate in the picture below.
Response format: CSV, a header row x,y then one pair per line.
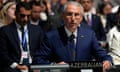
x,y
85,66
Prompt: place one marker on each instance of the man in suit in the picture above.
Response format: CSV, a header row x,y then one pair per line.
x,y
59,48
19,41
54,13
93,21
37,18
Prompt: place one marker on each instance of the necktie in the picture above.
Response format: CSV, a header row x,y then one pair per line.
x,y
24,46
24,42
72,45
72,36
88,19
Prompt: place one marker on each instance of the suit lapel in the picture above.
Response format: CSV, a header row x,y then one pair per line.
x,y
63,35
93,20
13,34
80,38
30,37
64,39
84,20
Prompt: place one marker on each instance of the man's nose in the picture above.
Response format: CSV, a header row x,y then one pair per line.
x,y
73,17
26,18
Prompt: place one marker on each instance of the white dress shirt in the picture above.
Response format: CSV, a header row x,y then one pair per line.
x,y
70,33
89,15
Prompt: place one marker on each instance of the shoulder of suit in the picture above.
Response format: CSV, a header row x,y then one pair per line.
x,y
5,27
85,27
54,32
34,26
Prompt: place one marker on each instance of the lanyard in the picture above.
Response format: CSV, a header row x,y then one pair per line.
x,y
23,40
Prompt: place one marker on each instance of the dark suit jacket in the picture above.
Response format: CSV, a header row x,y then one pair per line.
x,y
44,25
97,27
10,45
111,21
56,47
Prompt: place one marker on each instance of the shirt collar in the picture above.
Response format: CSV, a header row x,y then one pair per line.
x,y
18,26
35,23
69,33
88,13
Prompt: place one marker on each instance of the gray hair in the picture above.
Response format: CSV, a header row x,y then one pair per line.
x,y
74,3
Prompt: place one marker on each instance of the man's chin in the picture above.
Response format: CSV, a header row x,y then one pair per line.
x,y
74,28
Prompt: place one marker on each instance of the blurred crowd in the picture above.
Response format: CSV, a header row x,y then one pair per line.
x,y
48,13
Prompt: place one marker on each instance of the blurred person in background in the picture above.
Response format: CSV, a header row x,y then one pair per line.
x,y
7,13
97,2
113,38
107,18
104,11
61,5
93,21
55,14
116,6
35,12
1,4
54,5
38,16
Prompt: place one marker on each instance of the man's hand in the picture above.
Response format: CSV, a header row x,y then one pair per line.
x,y
62,62
22,67
106,65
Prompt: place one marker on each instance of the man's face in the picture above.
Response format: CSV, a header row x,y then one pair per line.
x,y
87,5
72,17
35,13
23,16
